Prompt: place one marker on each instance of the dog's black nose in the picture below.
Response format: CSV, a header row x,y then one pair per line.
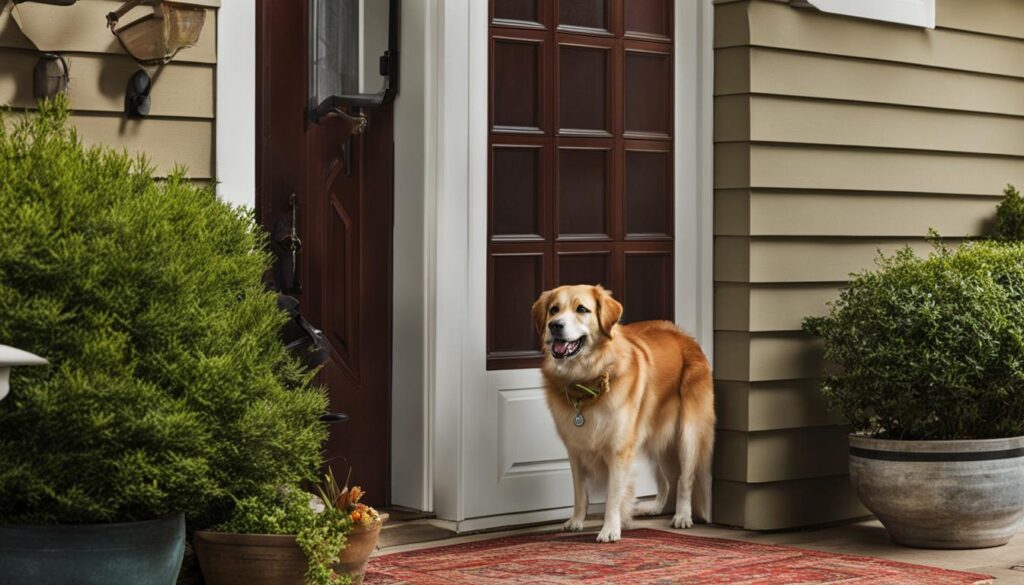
x,y
556,325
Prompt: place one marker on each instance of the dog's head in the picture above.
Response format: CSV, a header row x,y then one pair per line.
x,y
574,320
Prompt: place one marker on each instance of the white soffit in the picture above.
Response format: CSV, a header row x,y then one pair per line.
x,y
919,13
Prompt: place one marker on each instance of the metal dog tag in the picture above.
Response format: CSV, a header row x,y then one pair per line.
x,y
578,420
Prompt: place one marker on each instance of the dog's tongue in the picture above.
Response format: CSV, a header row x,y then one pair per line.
x,y
559,346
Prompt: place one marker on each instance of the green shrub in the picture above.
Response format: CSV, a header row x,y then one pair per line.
x,y
1010,215
168,388
320,535
931,348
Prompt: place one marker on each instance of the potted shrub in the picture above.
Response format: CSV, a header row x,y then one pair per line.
x,y
930,356
168,390
290,537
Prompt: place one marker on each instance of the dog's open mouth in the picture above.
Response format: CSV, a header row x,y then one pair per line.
x,y
561,348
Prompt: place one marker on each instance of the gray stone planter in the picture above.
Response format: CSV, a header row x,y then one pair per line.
x,y
139,553
942,494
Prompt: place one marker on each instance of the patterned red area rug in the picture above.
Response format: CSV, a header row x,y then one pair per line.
x,y
644,557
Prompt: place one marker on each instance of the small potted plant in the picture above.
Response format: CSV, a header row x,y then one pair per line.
x,y
930,356
169,389
292,537
365,527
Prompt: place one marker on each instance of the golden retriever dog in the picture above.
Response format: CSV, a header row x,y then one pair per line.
x,y
616,391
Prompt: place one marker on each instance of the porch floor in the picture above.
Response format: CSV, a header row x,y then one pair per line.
x,y
867,538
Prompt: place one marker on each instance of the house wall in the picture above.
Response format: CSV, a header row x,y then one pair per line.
x,y
836,137
180,129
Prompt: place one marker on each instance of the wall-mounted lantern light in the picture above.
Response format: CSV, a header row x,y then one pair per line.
x,y
10,357
50,76
156,38
353,57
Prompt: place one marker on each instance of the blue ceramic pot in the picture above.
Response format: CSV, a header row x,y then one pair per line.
x,y
130,553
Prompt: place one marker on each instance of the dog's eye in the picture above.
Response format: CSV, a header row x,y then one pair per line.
x,y
553,310
582,309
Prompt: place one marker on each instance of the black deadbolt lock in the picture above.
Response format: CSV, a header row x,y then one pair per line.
x,y
137,99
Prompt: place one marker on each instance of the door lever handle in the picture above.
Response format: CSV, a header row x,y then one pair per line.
x,y
358,122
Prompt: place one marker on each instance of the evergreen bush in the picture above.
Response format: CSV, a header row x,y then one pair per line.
x,y
168,388
931,348
1010,215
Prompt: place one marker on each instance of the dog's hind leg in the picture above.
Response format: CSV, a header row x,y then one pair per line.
x,y
663,476
695,441
688,457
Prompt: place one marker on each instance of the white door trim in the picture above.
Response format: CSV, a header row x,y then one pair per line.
x,y
694,166
454,231
236,103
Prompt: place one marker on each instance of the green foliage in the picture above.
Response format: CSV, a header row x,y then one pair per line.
x,y
321,536
1010,215
168,388
931,348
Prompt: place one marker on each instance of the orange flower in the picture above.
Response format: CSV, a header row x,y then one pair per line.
x,y
356,494
356,516
349,497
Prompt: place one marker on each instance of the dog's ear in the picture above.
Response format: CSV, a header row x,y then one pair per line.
x,y
540,312
609,311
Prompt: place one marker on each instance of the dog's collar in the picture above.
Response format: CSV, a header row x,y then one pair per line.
x,y
579,392
588,390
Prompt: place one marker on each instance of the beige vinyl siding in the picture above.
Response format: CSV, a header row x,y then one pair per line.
x,y
774,405
836,138
849,213
180,130
785,504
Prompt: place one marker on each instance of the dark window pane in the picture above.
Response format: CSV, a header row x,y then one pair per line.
x,y
516,84
583,13
648,94
525,10
582,191
515,190
648,193
583,268
648,287
517,282
583,89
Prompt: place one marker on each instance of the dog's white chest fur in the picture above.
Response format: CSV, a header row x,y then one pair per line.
x,y
601,426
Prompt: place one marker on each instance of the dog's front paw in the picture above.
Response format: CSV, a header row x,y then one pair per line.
x,y
682,521
573,525
609,535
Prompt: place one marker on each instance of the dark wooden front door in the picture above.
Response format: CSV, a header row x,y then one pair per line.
x,y
344,192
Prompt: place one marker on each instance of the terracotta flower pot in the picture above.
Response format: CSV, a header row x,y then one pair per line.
x,y
250,559
362,541
275,559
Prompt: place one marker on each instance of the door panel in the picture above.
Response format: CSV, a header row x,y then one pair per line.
x,y
343,185
586,87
